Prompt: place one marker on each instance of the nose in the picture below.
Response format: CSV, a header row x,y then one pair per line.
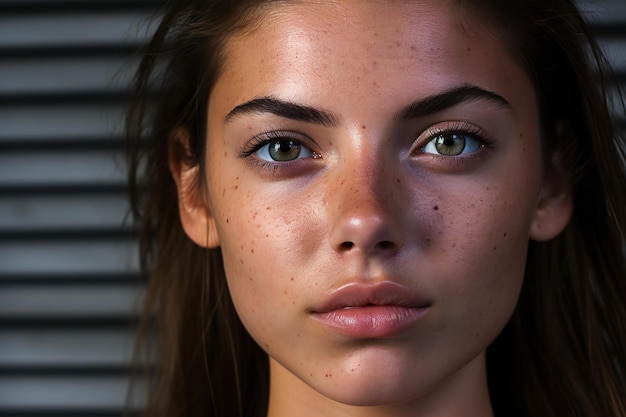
x,y
367,211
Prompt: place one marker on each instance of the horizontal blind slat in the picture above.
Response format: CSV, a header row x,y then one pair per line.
x,y
65,347
61,121
36,30
49,75
40,213
84,257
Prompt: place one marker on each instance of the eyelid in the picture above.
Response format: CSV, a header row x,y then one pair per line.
x,y
279,169
451,127
258,141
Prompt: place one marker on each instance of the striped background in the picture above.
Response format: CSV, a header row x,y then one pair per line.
x,y
68,268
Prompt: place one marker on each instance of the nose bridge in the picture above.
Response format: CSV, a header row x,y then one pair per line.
x,y
364,184
366,204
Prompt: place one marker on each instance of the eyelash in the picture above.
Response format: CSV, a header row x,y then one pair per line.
x,y
452,128
256,143
460,127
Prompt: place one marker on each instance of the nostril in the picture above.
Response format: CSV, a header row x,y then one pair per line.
x,y
346,246
385,244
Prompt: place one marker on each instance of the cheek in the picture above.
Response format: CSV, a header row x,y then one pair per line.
x,y
261,242
484,241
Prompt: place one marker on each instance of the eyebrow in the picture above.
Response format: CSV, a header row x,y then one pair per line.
x,y
285,109
420,108
450,98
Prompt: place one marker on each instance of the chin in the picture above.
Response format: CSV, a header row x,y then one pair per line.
x,y
368,391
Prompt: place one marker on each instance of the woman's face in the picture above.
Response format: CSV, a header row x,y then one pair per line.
x,y
374,176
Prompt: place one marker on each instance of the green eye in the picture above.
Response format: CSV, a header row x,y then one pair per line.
x,y
452,144
281,150
279,147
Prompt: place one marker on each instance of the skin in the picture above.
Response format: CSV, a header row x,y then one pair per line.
x,y
370,203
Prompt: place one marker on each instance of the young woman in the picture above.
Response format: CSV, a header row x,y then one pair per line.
x,y
365,208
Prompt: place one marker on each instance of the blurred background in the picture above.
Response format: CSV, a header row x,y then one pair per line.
x,y
69,284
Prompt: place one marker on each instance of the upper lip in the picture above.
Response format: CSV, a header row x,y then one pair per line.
x,y
386,293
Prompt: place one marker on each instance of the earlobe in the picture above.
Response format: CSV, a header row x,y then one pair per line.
x,y
555,204
195,216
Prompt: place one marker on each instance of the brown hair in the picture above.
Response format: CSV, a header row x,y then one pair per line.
x,y
562,353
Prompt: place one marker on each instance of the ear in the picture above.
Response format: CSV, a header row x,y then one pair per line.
x,y
195,216
555,204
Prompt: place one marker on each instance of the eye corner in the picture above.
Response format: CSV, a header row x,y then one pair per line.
x,y
280,153
452,139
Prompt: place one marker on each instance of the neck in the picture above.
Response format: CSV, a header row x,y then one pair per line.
x,y
464,394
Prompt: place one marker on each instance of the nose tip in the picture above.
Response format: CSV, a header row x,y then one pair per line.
x,y
370,233
366,201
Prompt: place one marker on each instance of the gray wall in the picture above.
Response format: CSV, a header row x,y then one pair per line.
x,y
68,268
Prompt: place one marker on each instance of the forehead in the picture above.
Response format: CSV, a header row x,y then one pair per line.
x,y
376,47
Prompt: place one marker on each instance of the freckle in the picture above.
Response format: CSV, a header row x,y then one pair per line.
x,y
504,234
495,248
292,278
223,192
454,245
436,208
487,188
266,345
468,49
251,250
363,127
267,235
225,153
241,260
227,221
236,187
413,48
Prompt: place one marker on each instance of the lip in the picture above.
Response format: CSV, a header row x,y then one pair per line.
x,y
381,310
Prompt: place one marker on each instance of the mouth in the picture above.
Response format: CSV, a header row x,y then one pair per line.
x,y
382,310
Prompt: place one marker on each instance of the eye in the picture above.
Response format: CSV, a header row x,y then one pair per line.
x,y
282,150
453,144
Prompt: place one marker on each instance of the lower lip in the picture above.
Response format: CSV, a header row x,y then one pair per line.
x,y
371,322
